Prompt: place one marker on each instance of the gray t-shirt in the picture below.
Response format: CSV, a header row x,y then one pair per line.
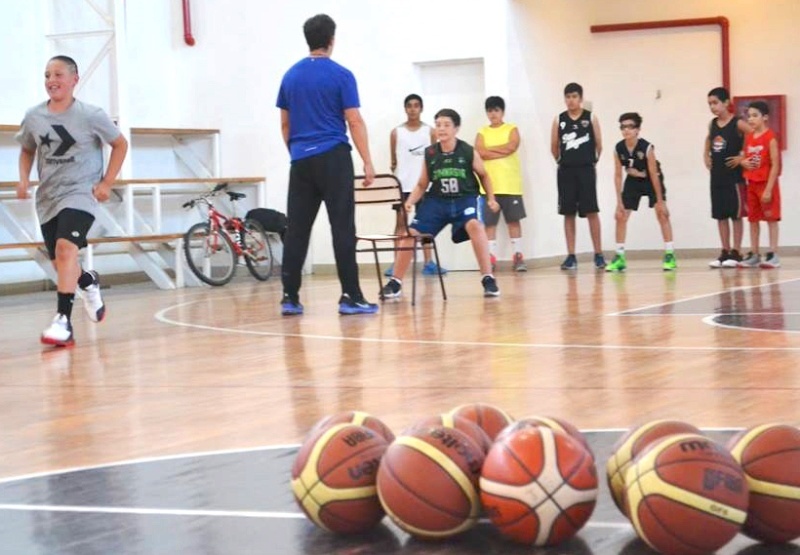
x,y
69,155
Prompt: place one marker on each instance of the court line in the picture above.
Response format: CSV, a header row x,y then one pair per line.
x,y
710,321
161,317
696,297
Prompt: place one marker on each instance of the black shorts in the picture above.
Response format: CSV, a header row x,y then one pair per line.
x,y
404,196
635,189
511,206
577,190
69,224
728,198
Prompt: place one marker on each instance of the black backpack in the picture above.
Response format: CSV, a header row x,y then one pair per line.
x,y
271,220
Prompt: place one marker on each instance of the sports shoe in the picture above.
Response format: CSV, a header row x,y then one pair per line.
x,y
490,288
733,259
290,306
719,262
92,301
348,305
570,263
431,269
58,333
599,261
752,260
392,290
519,263
618,264
389,271
493,261
670,264
771,261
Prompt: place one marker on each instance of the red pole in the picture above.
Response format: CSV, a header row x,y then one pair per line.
x,y
187,24
723,23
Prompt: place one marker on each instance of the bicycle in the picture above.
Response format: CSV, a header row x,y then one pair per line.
x,y
214,247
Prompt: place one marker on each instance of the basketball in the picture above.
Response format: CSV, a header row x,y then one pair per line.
x,y
770,458
630,445
428,482
552,422
538,486
333,478
459,423
488,417
356,417
686,495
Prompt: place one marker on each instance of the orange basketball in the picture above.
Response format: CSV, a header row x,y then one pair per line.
x,y
356,417
770,458
552,422
333,478
428,482
459,423
488,417
686,495
538,486
630,445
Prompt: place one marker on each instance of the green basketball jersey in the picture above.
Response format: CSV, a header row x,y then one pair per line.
x,y
450,173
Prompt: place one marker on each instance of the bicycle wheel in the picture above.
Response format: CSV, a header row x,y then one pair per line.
x,y
257,250
209,254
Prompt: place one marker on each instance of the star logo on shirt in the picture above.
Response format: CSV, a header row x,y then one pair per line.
x,y
46,140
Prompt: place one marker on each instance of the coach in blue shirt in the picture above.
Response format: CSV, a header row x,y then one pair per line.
x,y
316,98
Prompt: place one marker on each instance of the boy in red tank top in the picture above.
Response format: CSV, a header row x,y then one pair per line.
x,y
761,163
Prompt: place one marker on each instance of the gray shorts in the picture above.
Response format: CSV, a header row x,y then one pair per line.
x,y
511,206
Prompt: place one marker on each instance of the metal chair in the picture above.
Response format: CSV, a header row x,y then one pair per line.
x,y
386,192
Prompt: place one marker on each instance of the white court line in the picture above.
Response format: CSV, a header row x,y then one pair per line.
x,y
160,316
705,296
710,321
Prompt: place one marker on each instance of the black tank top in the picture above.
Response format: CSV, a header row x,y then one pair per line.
x,y
450,173
636,159
576,141
725,142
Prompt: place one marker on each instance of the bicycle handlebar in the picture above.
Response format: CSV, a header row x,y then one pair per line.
x,y
204,198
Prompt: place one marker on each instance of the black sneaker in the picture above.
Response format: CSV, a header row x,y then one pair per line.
x,y
348,305
734,257
570,263
290,306
490,288
392,290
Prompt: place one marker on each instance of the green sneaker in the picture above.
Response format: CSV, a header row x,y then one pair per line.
x,y
617,265
670,264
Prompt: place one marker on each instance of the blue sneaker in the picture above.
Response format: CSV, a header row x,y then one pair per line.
x,y
389,271
570,263
431,269
599,261
290,306
347,305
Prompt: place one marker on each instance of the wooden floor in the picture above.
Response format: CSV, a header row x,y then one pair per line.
x,y
173,372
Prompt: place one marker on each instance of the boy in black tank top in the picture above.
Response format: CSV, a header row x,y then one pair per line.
x,y
637,158
576,144
721,154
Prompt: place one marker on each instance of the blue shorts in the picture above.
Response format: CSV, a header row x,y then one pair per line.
x,y
434,213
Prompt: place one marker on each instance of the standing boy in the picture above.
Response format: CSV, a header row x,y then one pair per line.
x,y
408,142
65,136
452,196
761,165
497,144
728,193
576,145
317,97
643,178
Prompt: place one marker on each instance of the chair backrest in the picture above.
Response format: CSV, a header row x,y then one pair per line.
x,y
385,189
373,204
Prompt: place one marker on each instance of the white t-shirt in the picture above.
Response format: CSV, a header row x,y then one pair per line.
x,y
410,154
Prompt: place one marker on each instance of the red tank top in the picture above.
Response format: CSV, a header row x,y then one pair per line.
x,y
757,150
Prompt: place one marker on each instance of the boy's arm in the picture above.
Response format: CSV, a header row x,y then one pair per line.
x,y
358,130
743,127
285,127
486,181
119,148
433,136
774,170
508,148
393,148
554,150
652,170
598,138
618,181
485,153
26,158
419,189
707,152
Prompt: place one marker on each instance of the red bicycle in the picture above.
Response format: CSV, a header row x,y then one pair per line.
x,y
214,247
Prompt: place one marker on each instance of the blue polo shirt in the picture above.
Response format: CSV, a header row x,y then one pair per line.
x,y
316,92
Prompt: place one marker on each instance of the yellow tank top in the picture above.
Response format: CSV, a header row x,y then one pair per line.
x,y
504,172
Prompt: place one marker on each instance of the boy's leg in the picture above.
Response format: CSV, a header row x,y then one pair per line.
x,y
403,257
738,233
480,245
666,226
303,203
594,231
773,236
569,233
724,229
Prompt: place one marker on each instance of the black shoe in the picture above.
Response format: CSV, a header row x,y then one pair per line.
x,y
348,305
570,263
490,288
392,290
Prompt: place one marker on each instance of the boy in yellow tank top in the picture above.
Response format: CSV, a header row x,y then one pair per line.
x,y
497,144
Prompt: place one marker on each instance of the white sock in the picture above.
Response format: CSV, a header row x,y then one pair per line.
x,y
669,247
515,244
493,247
621,249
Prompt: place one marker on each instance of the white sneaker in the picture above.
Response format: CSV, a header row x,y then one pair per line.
x,y
58,333
92,301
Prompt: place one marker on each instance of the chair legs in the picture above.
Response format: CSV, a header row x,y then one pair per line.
x,y
378,271
439,269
